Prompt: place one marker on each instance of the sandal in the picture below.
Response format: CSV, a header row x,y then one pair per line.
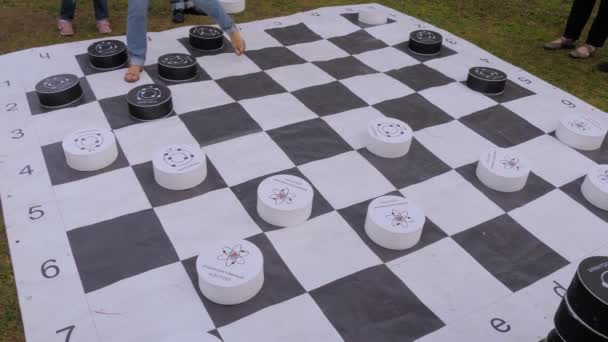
x,y
560,43
133,72
583,52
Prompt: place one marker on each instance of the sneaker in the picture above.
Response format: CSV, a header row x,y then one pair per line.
x,y
103,26
560,43
178,16
65,27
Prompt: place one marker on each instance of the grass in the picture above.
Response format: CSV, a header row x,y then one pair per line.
x,y
512,30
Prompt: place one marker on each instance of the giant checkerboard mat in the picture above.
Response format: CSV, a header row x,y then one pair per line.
x,y
110,256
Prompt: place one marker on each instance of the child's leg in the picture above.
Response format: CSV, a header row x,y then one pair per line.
x,y
137,21
178,5
580,13
68,7
101,9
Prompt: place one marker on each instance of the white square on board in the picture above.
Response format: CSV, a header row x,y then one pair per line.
x,y
275,111
457,99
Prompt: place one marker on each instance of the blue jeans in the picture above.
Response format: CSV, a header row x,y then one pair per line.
x,y
137,22
68,7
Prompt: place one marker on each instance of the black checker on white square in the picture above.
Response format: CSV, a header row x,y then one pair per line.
x,y
415,110
213,125
308,141
329,98
420,77
445,52
509,252
152,71
294,34
60,172
354,18
247,193
120,248
535,188
279,285
249,86
358,42
375,295
501,126
345,67
226,48
86,67
356,214
87,97
274,57
573,189
418,165
158,196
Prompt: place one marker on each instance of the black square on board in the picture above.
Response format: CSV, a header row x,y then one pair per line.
x,y
509,252
420,77
345,67
329,98
249,86
126,246
414,109
294,34
358,42
274,57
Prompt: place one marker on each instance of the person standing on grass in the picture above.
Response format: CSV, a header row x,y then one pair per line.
x,y
137,21
579,15
66,16
180,8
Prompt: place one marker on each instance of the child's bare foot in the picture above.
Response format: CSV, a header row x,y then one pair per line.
x,y
133,72
237,42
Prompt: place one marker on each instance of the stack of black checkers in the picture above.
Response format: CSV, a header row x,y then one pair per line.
x,y
206,38
150,102
59,90
177,67
582,315
107,54
425,42
487,80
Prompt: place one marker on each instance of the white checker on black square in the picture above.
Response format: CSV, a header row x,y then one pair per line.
x,y
247,193
203,218
414,110
250,86
453,143
420,77
445,52
445,270
457,100
141,142
279,286
100,198
294,34
124,311
351,303
352,125
241,159
452,202
345,67
274,111
573,189
274,57
500,245
356,215
535,188
213,125
333,258
563,224
298,319
358,42
196,96
418,165
111,83
330,98
346,179
294,77
386,59
553,161
317,51
159,196
88,96
122,247
501,126
315,140
226,65
376,88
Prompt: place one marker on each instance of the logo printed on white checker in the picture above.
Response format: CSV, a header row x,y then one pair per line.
x,y
179,158
390,130
285,192
584,125
88,141
230,263
600,178
396,214
506,162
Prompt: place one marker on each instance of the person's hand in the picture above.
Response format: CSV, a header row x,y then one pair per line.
x,y
237,42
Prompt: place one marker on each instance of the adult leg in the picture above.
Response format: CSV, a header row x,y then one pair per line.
x,y
101,9
599,29
579,15
137,40
177,8
68,8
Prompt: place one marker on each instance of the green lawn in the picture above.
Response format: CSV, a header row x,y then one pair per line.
x,y
512,30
